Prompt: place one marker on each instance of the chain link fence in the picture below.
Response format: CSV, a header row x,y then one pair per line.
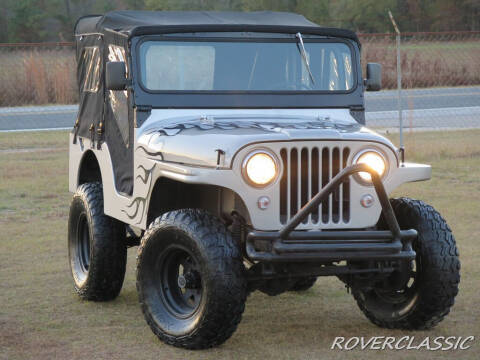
x,y
440,81
428,60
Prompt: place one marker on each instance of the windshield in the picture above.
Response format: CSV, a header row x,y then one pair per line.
x,y
260,65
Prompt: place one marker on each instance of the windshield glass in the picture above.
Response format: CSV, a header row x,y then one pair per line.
x,y
246,65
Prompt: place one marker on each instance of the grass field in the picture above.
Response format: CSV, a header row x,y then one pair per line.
x,y
42,318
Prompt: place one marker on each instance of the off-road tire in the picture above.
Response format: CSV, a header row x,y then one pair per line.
x,y
304,284
106,252
438,277
221,274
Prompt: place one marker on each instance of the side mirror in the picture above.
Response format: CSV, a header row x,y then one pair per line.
x,y
374,77
115,75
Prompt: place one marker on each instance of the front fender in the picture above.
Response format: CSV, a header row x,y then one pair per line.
x,y
408,172
268,219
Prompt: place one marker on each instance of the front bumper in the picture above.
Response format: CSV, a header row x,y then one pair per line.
x,y
288,245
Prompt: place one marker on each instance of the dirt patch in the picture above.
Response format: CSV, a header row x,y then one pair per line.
x,y
10,334
15,339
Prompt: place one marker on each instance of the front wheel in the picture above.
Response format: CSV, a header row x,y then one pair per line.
x,y
420,293
190,280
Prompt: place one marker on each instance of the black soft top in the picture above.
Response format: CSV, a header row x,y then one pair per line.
x,y
131,23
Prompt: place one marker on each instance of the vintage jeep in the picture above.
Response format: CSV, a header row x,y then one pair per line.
x,y
231,147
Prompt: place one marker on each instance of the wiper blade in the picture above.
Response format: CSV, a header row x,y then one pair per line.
x,y
304,55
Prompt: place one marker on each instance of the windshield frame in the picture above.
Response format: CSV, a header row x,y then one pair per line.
x,y
290,38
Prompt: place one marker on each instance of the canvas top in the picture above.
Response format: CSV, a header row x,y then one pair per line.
x,y
133,23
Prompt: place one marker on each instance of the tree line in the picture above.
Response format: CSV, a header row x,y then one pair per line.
x,y
53,20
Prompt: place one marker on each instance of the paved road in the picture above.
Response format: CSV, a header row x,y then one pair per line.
x,y
37,118
423,108
433,98
426,108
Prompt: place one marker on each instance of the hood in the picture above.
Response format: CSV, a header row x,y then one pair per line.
x,y
195,139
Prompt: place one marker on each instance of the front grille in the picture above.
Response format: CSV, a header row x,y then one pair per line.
x,y
306,171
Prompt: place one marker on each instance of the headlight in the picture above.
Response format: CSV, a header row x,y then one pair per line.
x,y
260,168
375,160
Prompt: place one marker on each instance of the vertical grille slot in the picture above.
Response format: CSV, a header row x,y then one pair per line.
x,y
304,179
284,188
336,195
325,180
293,182
305,172
315,180
346,189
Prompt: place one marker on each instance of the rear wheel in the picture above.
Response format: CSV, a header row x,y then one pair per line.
x,y
96,246
190,280
420,294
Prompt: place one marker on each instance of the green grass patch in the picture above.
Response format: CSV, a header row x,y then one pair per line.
x,y
34,140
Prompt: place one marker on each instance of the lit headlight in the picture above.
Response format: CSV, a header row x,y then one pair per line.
x,y
375,160
260,168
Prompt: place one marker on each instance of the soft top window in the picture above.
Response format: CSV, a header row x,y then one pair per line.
x,y
91,65
260,65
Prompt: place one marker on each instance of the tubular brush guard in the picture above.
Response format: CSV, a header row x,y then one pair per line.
x,y
289,245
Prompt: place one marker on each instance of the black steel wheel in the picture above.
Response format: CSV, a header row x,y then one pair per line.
x,y
180,282
96,246
402,286
81,257
190,279
421,292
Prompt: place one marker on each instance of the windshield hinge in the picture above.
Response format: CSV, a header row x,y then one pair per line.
x,y
357,107
147,108
141,114
358,113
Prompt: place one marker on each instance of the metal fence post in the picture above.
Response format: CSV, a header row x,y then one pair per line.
x,y
399,87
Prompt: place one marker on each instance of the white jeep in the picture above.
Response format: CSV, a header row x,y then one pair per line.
x,y
232,148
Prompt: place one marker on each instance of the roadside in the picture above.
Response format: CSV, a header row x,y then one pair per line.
x,y
457,107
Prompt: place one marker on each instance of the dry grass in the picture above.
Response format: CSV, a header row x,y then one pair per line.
x,y
37,76
42,318
440,145
425,63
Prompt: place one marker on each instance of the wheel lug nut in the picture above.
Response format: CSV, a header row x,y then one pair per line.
x,y
182,281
